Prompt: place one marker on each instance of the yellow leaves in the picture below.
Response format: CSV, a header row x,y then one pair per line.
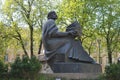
x,y
14,25
8,7
71,8
7,4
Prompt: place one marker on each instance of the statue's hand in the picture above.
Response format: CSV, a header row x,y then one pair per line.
x,y
73,33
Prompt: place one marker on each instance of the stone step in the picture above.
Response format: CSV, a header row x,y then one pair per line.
x,y
74,76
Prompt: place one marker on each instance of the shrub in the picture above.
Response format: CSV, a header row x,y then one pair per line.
x,y
35,67
25,68
112,72
16,68
3,69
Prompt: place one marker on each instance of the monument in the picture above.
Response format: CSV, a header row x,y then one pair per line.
x,y
63,52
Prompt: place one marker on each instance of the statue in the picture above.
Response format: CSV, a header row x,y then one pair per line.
x,y
65,54
56,42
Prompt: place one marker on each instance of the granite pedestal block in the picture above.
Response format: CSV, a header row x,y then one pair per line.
x,y
61,67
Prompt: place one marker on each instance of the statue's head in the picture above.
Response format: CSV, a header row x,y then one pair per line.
x,y
52,15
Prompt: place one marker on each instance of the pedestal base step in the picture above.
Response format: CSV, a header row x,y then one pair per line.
x,y
74,76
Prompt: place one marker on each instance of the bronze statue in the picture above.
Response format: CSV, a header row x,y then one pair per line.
x,y
63,43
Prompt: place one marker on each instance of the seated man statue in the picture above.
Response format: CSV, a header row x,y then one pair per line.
x,y
62,43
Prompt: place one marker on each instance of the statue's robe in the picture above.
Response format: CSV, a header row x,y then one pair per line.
x,y
56,42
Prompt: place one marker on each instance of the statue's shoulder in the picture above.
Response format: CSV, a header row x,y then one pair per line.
x,y
50,21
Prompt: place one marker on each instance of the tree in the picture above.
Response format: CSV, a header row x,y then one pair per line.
x,y
2,41
22,13
108,24
82,11
99,21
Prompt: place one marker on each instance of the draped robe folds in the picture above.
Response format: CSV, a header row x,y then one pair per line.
x,y
56,42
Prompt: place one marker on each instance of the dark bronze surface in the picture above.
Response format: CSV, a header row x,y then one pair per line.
x,y
63,52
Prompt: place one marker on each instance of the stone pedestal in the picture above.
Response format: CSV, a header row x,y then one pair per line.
x,y
61,67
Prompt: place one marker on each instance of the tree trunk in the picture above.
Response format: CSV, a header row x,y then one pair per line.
x,y
24,48
31,40
90,47
109,51
22,44
40,46
110,57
